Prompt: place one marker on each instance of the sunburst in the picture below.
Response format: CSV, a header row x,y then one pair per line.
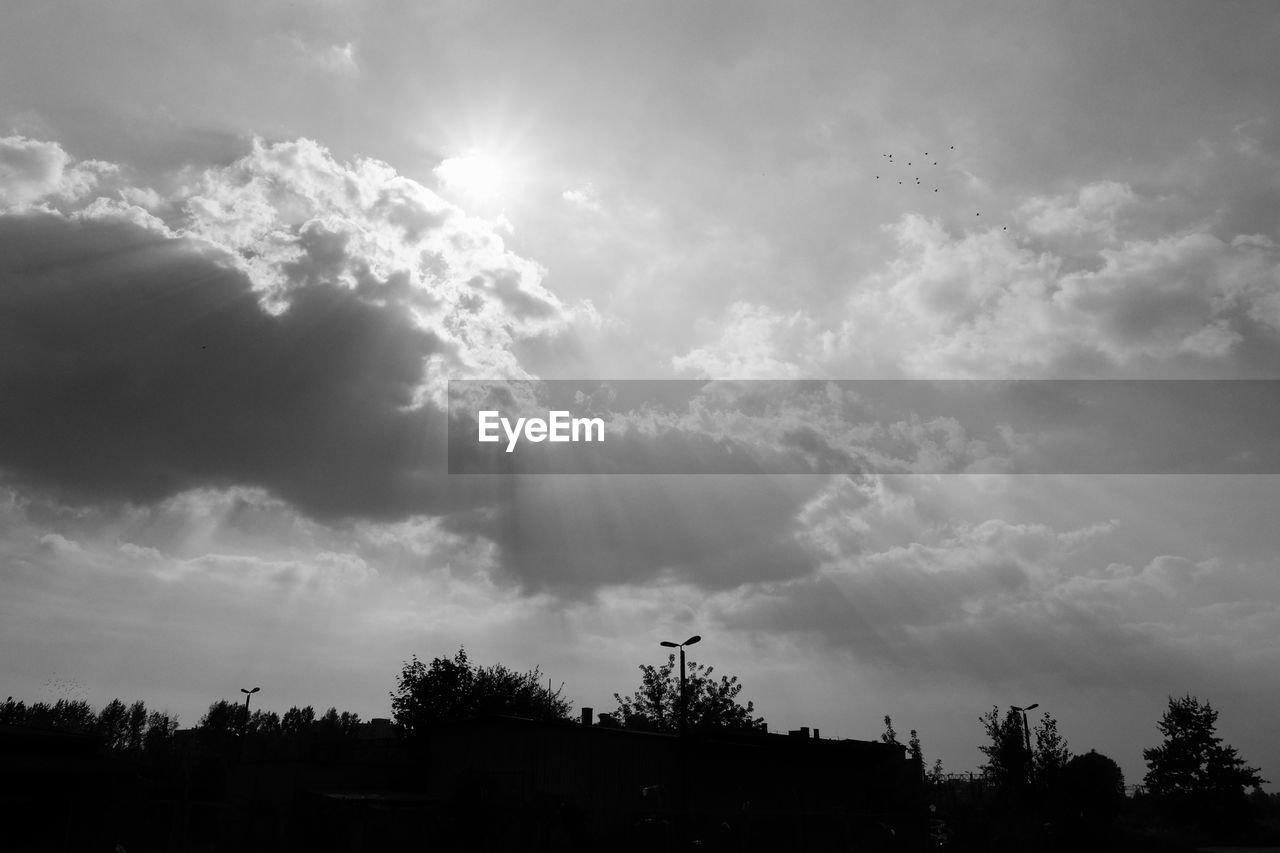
x,y
475,176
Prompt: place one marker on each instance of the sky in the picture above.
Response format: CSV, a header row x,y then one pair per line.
x,y
244,246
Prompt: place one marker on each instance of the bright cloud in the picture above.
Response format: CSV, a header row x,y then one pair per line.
x,y
1074,295
32,170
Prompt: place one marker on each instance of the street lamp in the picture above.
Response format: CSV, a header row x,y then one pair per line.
x,y
1026,732
247,694
670,645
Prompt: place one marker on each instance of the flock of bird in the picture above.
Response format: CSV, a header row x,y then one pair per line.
x,y
924,162
64,687
893,162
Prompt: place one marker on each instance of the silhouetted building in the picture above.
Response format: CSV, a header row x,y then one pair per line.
x,y
746,791
493,783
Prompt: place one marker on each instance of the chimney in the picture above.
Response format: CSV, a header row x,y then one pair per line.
x,y
804,731
587,716
815,734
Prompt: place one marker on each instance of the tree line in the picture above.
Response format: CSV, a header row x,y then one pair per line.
x,y
122,727
133,728
455,688
1192,772
1193,778
230,718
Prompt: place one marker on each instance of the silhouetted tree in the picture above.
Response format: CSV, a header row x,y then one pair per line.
x,y
13,713
454,689
914,749
264,723
125,728
1051,753
159,734
936,774
1090,788
333,724
1265,806
113,725
1006,753
441,690
711,703
499,690
297,720
1193,773
39,714
121,727
223,719
889,735
73,715
136,726
66,714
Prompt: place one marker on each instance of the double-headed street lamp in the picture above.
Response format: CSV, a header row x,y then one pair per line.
x,y
1026,732
689,642
247,694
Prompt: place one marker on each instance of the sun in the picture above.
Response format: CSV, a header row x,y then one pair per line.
x,y
476,175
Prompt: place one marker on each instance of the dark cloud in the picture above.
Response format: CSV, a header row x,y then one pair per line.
x,y
280,322
136,366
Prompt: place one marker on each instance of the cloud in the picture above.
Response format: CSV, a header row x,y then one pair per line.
x,y
235,585
283,326
1004,602
983,303
1093,210
283,323
32,170
336,58
756,342
1092,284
573,535
583,197
292,215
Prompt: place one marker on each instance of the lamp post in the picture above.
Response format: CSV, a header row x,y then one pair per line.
x,y
689,642
247,694
1026,732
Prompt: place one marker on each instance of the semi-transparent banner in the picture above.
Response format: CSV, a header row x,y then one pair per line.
x,y
864,426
